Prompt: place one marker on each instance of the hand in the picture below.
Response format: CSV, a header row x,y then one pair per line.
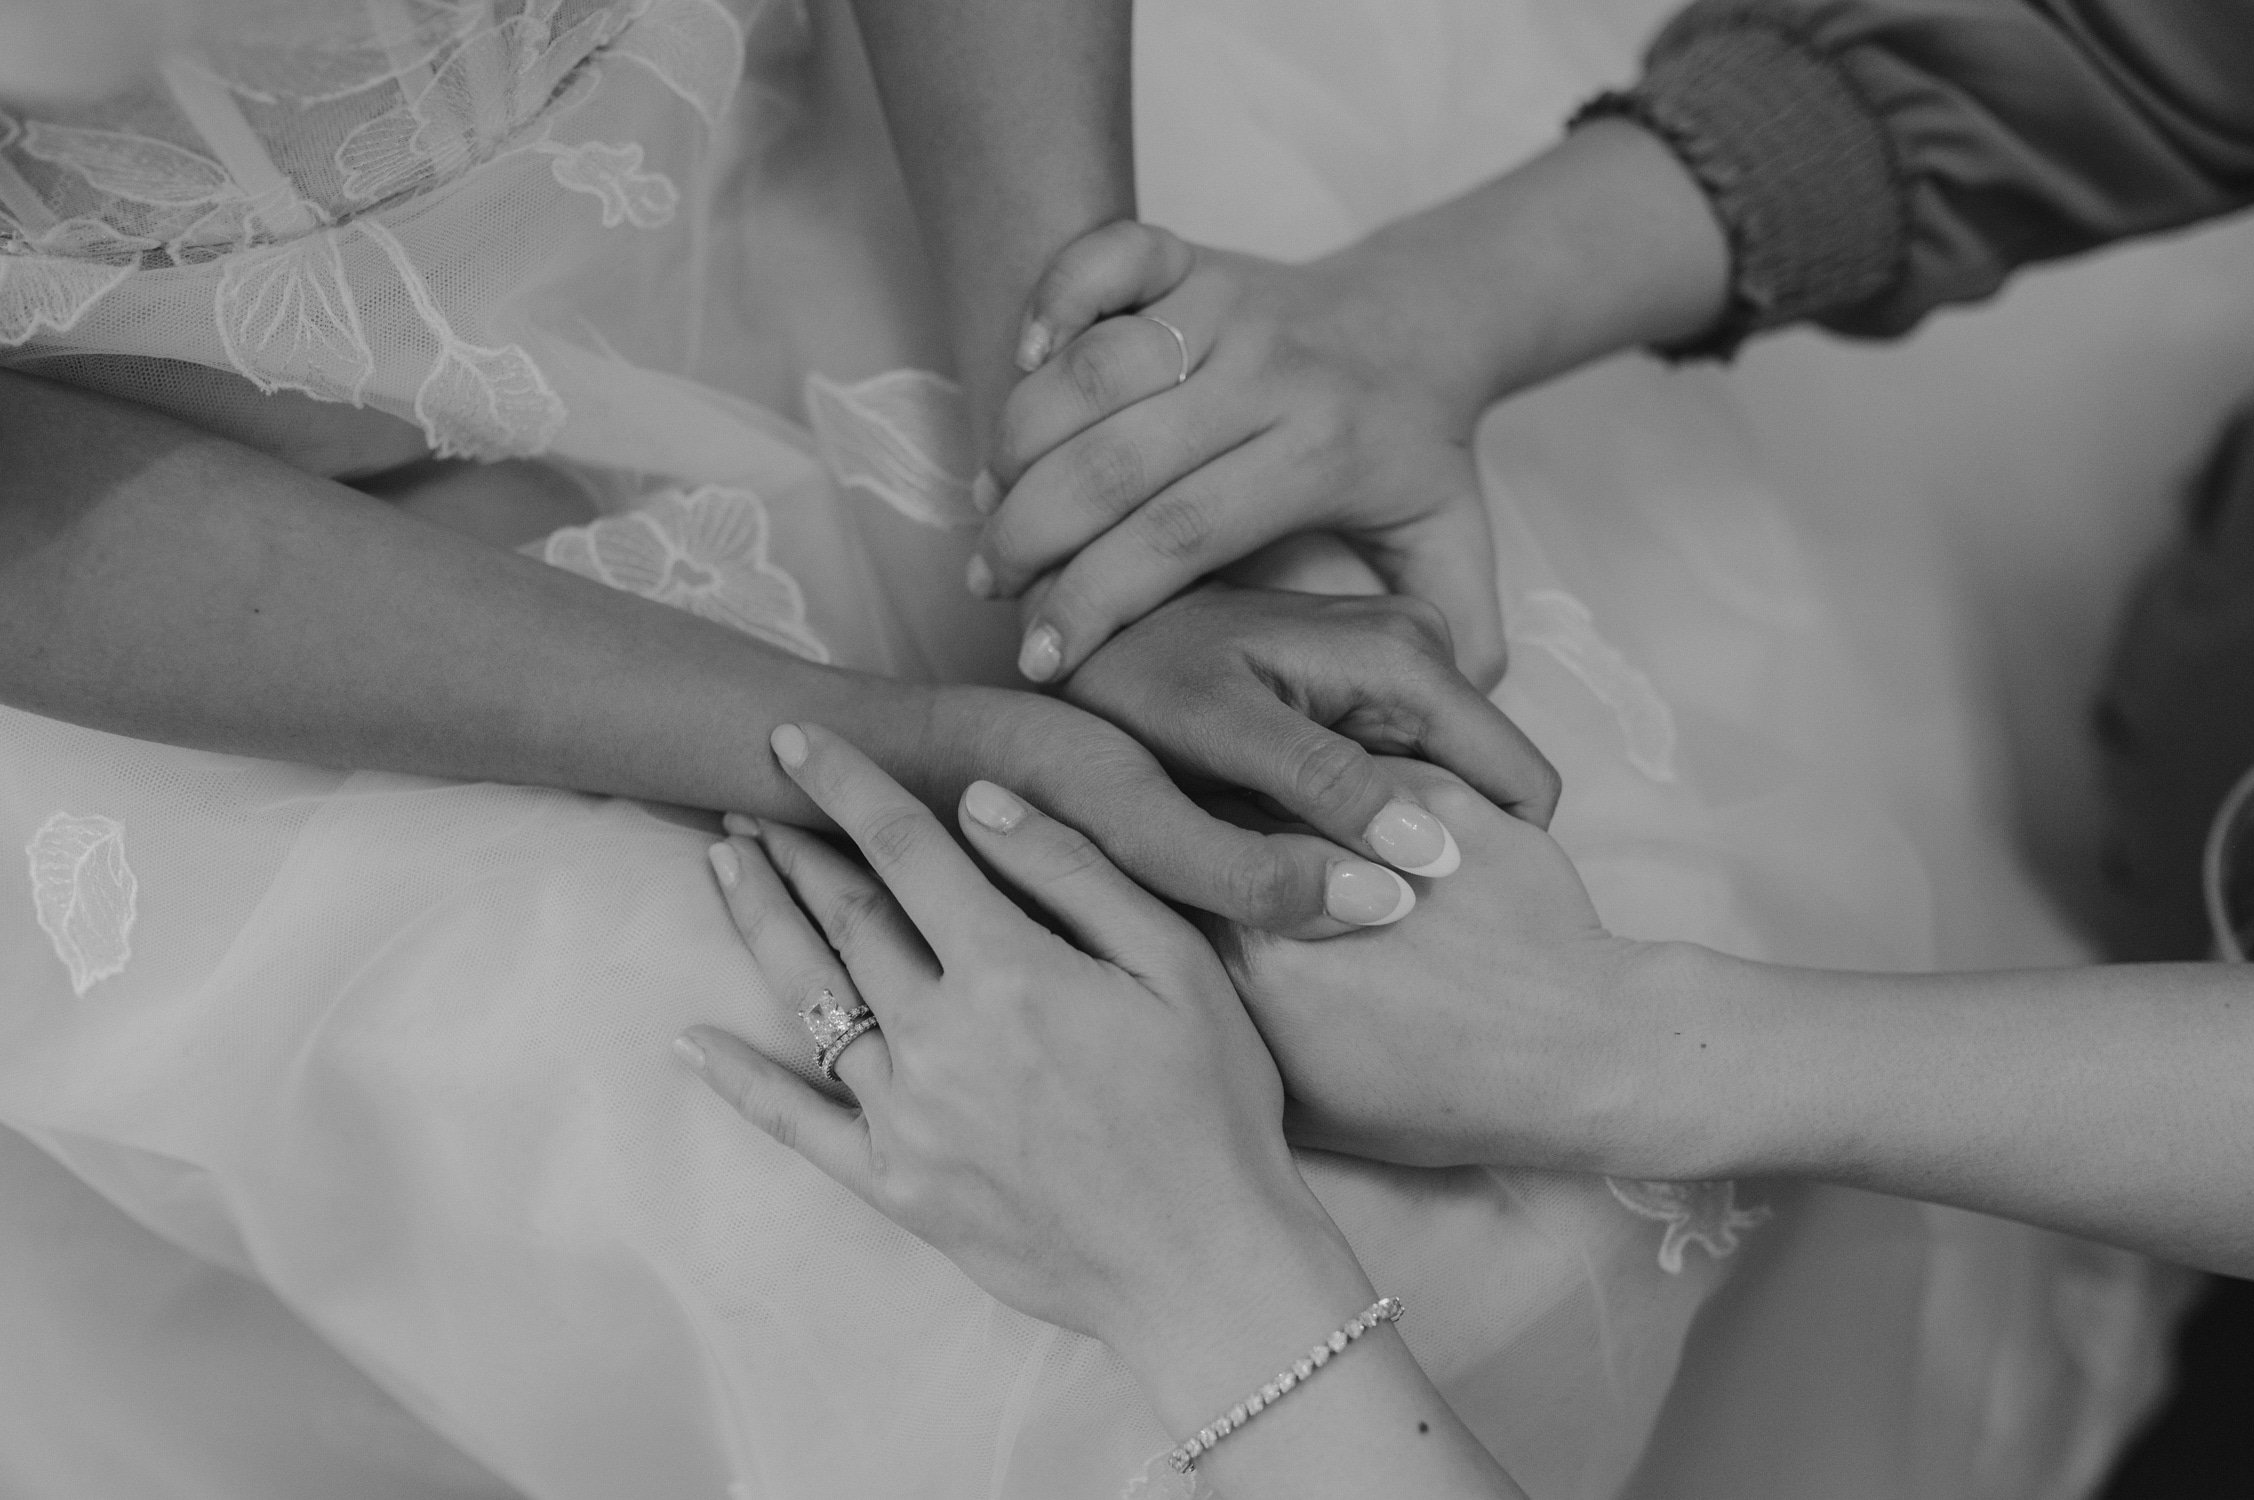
x,y
1501,1024
1095,776
1087,1125
1311,405
1286,695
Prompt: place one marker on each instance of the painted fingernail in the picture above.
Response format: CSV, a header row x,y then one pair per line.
x,y
993,807
790,745
978,577
1409,838
1041,655
1367,895
726,865
1033,346
743,825
985,494
690,1051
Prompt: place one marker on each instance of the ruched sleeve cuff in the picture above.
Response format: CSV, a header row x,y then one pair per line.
x,y
1797,165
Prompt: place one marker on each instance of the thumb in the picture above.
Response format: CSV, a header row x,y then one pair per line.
x,y
1447,559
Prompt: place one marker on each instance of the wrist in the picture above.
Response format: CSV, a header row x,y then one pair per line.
x,y
1721,1093
1265,1287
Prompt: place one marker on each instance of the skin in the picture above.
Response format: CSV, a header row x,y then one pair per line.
x,y
1503,1023
1339,395
1085,1121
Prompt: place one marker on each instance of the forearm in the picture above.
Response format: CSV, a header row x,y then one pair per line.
x,y
1603,243
2113,1103
1011,119
159,583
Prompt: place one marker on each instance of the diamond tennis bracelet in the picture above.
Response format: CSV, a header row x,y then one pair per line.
x,y
1184,1457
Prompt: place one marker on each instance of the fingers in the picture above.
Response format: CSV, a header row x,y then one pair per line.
x,y
1326,780
927,872
772,1097
1292,884
1106,913
861,925
1190,529
1115,365
798,964
1448,560
1085,484
1112,269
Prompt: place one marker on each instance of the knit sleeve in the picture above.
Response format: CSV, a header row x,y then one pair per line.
x,y
1871,160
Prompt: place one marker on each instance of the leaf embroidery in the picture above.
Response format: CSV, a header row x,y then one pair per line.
x,y
476,402
1563,626
702,550
903,437
1702,1213
694,47
137,168
84,893
614,174
490,87
288,319
38,293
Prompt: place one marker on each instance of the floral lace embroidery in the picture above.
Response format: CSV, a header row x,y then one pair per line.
x,y
287,318
1563,626
903,437
702,550
614,174
1701,1213
51,295
694,47
84,894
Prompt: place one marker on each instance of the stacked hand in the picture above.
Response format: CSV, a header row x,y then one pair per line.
x,y
1237,402
1284,695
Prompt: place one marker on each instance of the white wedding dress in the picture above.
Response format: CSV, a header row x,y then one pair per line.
x,y
345,1154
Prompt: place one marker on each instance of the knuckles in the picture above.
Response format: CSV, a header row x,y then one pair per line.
x,y
1262,887
1328,774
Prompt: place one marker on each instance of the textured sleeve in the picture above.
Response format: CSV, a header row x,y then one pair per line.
x,y
1871,160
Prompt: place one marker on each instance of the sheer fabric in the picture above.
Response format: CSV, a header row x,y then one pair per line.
x,y
395,1050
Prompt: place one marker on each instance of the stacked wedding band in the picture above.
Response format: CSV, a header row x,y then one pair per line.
x,y
835,1026
1184,1457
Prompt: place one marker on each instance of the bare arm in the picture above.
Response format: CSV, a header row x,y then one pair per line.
x,y
1011,118
2113,1103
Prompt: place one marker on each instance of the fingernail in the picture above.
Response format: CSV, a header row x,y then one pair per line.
x,y
993,807
742,825
1033,346
1041,655
1367,895
690,1051
985,494
1409,838
790,745
725,865
979,578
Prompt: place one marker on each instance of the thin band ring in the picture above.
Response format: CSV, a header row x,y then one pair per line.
x,y
1181,344
846,1038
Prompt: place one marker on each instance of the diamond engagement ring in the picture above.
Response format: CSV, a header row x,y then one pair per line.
x,y
835,1026
1181,344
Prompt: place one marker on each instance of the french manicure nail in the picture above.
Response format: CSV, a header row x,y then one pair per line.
x,y
978,577
1033,346
1409,838
690,1051
1041,655
1367,895
790,745
993,807
985,494
725,865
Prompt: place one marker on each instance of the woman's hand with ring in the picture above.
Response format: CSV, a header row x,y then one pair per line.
x,y
1309,407
1087,1124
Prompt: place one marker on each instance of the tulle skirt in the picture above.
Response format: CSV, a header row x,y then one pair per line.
x,y
405,1195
